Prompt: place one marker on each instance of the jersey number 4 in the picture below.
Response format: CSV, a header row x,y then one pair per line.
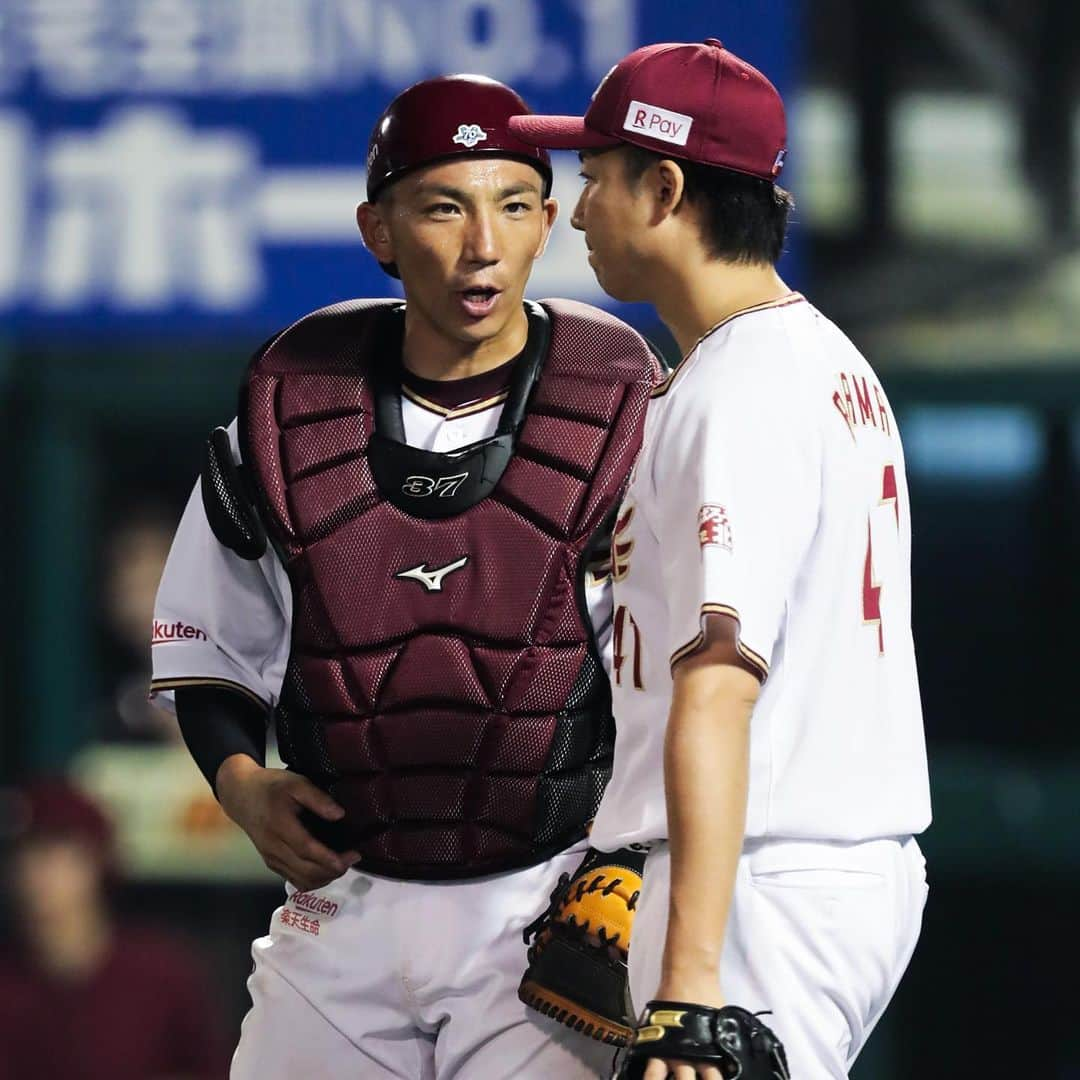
x,y
871,585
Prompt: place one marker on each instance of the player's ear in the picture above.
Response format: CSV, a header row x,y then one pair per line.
x,y
371,220
668,186
550,211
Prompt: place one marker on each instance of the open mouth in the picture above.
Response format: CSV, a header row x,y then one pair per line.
x,y
479,300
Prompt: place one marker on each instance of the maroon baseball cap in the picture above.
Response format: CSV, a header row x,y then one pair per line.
x,y
54,808
698,102
438,119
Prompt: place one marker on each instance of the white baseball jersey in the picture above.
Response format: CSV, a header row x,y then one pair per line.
x,y
220,619
771,489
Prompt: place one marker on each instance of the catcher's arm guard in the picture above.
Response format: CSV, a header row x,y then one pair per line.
x,y
732,1040
577,960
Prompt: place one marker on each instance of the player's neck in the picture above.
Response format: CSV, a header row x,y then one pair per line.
x,y
432,354
693,299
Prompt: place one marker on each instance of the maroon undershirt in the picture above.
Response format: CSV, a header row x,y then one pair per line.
x,y
452,393
143,1014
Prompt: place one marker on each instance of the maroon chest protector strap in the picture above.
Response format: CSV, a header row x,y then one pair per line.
x,y
443,682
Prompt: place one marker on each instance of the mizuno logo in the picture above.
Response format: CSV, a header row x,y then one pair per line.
x,y
432,579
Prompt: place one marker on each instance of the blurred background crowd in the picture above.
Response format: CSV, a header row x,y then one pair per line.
x,y
177,180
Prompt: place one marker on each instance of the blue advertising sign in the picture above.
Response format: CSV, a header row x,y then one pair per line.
x,y
182,166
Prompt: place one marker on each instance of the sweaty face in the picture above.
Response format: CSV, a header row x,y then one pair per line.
x,y
464,235
614,215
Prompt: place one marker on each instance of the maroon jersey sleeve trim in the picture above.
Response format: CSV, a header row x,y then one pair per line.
x,y
720,635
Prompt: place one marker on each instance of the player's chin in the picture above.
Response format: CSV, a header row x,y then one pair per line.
x,y
475,331
616,285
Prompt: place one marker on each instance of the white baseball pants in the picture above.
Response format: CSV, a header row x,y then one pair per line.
x,y
372,979
819,933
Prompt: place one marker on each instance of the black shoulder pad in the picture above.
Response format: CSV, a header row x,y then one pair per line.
x,y
229,509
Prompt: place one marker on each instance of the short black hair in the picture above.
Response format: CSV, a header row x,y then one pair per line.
x,y
744,218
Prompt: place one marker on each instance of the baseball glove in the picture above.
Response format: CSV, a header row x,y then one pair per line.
x,y
730,1039
577,960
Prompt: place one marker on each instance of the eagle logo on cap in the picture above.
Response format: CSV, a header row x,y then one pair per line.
x,y
469,135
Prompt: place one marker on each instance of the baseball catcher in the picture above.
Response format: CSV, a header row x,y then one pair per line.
x,y
393,560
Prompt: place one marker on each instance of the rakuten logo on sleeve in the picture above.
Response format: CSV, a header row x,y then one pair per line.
x,y
658,123
176,631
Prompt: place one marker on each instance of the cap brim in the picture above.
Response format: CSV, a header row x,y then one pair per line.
x,y
559,133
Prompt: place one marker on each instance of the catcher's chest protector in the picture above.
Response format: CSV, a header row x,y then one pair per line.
x,y
443,682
